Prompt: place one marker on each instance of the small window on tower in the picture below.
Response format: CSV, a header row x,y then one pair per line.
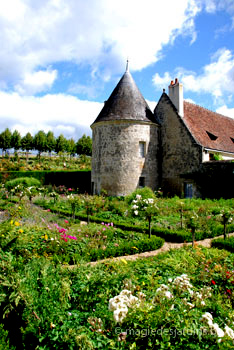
x,y
142,149
141,182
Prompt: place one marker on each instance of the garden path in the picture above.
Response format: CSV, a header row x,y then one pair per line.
x,y
165,248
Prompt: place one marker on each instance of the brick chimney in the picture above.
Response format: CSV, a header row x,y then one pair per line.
x,y
175,92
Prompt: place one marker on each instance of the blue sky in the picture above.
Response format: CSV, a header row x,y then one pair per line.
x,y
60,59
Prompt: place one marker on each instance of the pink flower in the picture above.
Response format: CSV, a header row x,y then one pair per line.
x,y
61,230
66,221
48,209
70,189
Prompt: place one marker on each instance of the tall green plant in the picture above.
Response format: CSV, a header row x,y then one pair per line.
x,y
145,207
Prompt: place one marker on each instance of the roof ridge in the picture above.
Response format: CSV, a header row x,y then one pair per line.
x,y
209,110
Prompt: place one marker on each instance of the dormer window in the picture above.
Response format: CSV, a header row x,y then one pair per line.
x,y
212,136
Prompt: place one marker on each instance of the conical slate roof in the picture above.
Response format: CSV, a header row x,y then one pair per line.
x,y
126,103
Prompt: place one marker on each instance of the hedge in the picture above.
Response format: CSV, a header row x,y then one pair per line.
x,y
168,235
222,243
127,248
75,179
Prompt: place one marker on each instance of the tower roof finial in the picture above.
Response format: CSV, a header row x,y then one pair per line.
x,y
127,65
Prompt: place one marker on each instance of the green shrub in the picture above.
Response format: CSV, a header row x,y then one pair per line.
x,y
25,181
145,192
221,243
127,248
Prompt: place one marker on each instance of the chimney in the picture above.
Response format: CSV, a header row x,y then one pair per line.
x,y
175,92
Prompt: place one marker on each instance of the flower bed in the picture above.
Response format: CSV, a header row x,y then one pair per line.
x,y
178,300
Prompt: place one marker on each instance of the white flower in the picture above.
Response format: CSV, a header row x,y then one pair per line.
x,y
169,280
120,303
164,291
141,295
208,318
125,292
190,305
203,303
120,314
218,330
135,206
136,212
229,332
168,295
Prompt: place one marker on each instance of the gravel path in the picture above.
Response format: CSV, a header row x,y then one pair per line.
x,y
165,248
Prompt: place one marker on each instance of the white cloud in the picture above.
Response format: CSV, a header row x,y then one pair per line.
x,y
151,104
229,112
216,79
60,113
36,82
100,33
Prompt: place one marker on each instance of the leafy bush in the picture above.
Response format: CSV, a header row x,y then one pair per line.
x,y
127,248
145,192
221,243
25,181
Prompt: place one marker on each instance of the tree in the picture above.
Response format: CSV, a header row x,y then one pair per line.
x,y
84,145
40,142
27,143
145,207
71,147
5,140
60,144
16,140
226,217
50,142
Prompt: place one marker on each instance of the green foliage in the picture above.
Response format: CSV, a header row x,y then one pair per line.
x,y
217,156
127,248
222,243
50,142
27,142
16,140
39,142
144,192
24,181
5,139
61,144
84,145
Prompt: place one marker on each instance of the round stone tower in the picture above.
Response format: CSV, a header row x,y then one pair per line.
x,y
125,142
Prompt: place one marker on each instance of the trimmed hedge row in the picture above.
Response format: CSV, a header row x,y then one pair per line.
x,y
76,179
222,243
168,235
127,248
174,236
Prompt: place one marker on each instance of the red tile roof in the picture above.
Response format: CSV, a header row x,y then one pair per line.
x,y
210,129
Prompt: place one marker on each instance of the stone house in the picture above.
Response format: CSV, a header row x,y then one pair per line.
x,y
167,149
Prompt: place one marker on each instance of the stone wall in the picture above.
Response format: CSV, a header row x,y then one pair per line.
x,y
179,154
116,161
